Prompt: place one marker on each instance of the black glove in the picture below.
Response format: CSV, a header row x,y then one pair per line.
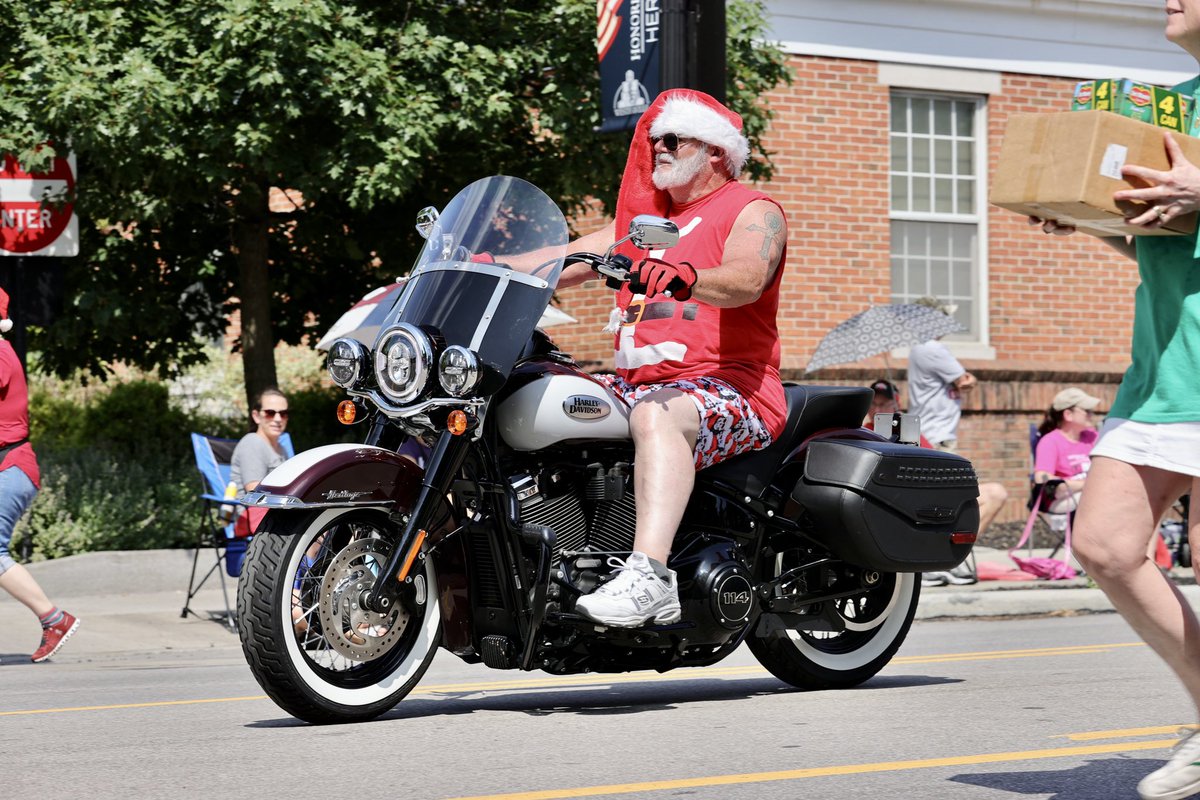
x,y
652,276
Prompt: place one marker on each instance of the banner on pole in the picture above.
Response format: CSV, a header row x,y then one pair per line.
x,y
627,43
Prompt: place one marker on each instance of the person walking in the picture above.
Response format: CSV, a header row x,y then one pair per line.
x,y
1148,451
20,480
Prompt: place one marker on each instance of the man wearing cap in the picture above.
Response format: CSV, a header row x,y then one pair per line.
x,y
19,483
886,401
697,347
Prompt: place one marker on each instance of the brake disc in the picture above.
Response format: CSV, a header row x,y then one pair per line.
x,y
358,633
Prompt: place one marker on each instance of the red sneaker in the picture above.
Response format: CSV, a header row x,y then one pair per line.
x,y
55,636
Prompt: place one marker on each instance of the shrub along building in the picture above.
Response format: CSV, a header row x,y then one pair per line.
x,y
883,147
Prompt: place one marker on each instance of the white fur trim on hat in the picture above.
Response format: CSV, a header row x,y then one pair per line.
x,y
5,325
694,120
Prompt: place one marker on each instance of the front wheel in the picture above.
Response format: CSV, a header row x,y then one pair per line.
x,y
876,623
311,646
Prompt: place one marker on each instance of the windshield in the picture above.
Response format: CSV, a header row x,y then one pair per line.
x,y
503,221
488,270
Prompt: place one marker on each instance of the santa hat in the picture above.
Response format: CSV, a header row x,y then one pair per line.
x,y
5,322
687,113
695,115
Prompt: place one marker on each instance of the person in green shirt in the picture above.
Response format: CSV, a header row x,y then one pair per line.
x,y
1148,452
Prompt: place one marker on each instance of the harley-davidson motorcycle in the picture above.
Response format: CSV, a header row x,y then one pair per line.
x,y
809,551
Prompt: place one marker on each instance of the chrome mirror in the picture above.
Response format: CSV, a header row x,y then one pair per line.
x,y
653,233
426,218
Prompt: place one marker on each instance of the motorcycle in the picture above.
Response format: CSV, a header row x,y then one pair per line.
x,y
365,563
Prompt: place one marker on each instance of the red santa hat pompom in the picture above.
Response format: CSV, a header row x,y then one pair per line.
x,y
5,322
687,113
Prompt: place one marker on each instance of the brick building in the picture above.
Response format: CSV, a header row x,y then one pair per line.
x,y
883,146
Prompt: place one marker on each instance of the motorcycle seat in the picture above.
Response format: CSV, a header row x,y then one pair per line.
x,y
810,409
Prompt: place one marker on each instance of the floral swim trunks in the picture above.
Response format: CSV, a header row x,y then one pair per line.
x,y
728,425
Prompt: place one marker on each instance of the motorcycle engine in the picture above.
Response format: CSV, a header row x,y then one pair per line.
x,y
589,508
592,509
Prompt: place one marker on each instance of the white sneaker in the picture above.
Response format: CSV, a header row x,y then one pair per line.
x,y
633,596
935,578
962,575
1180,777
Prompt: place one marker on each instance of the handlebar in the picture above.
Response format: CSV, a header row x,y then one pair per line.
x,y
614,269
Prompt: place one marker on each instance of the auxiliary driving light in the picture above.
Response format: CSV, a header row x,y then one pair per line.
x,y
458,370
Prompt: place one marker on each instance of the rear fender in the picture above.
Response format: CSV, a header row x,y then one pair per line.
x,y
339,475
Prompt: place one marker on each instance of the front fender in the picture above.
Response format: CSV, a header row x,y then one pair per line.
x,y
339,475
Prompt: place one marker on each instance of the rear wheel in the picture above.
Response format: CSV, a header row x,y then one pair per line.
x,y
876,624
309,643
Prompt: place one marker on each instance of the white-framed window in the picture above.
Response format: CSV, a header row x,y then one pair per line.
x,y
938,203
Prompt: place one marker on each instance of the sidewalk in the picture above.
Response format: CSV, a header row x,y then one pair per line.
x,y
129,604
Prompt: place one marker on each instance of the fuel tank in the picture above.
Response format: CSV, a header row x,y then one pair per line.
x,y
547,402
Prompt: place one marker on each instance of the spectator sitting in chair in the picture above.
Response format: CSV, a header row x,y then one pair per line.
x,y
259,452
1064,449
992,495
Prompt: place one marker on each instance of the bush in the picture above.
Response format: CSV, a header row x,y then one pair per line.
x,y
95,500
117,467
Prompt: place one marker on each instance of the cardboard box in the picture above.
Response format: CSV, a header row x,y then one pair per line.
x,y
1065,167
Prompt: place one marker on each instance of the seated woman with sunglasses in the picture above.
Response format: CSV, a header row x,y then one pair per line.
x,y
259,452
1064,449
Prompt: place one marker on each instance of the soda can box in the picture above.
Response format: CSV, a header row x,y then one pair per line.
x,y
1094,95
1152,104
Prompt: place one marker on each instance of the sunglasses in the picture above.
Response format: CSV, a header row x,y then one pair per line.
x,y
270,413
671,141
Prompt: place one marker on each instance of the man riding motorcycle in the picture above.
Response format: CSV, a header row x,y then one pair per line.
x,y
697,347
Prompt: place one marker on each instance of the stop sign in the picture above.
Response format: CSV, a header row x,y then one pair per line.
x,y
29,226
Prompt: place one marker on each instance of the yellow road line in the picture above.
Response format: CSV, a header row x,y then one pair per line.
x,y
821,772
1093,735
134,705
550,683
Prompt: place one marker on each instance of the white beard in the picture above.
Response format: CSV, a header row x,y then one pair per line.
x,y
678,171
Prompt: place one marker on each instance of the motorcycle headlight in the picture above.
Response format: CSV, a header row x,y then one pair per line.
x,y
458,370
348,363
403,356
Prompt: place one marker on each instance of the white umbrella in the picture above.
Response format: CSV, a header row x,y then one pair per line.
x,y
366,317
881,328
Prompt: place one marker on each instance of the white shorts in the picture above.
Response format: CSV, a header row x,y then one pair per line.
x,y
1170,446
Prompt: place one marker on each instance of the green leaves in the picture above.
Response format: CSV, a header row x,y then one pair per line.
x,y
371,110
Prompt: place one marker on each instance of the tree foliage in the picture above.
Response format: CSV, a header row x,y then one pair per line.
x,y
183,115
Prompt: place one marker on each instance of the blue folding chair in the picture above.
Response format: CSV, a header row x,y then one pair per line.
x,y
213,455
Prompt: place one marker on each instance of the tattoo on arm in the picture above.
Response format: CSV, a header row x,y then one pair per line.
x,y
771,232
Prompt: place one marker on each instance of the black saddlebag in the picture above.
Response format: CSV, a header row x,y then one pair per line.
x,y
891,507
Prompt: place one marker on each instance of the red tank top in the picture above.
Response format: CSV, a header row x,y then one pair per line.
x,y
661,339
14,415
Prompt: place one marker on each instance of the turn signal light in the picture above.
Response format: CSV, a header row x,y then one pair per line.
x,y
457,422
346,412
965,537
